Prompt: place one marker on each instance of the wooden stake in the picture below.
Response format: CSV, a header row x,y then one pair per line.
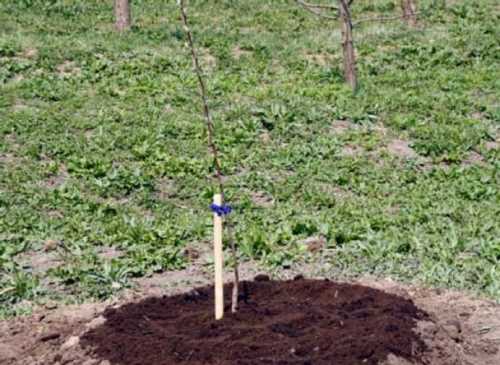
x,y
218,261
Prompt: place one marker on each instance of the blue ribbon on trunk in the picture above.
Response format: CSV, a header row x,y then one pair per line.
x,y
221,210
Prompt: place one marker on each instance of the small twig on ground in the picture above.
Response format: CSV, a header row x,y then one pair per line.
x,y
6,290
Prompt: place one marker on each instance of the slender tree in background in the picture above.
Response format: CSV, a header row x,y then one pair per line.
x,y
409,8
349,56
122,15
342,12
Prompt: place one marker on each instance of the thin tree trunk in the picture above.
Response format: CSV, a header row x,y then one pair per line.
x,y
122,15
215,152
409,8
347,44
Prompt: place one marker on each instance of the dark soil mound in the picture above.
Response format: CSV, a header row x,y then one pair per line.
x,y
291,322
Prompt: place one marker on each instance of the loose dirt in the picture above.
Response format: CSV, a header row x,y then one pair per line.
x,y
298,321
291,322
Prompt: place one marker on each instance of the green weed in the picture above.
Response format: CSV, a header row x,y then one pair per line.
x,y
102,144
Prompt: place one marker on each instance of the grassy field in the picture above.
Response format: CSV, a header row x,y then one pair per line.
x,y
104,169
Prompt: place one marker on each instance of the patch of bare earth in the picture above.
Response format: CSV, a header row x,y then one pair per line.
x,y
89,134
492,145
197,274
342,126
39,261
351,150
262,199
30,53
401,148
68,69
265,137
467,326
207,60
8,158
238,53
17,78
108,253
54,214
381,130
49,336
168,109
460,330
11,141
11,138
355,151
165,189
334,190
473,158
19,105
321,59
57,180
314,243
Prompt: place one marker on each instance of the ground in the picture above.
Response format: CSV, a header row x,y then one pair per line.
x,y
105,179
459,330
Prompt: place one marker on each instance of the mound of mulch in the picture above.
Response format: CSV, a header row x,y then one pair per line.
x,y
289,322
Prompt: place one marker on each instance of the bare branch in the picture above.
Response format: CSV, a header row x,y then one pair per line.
x,y
379,19
317,6
215,153
204,97
316,9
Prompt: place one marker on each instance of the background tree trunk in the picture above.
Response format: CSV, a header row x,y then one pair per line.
x,y
409,8
347,44
122,15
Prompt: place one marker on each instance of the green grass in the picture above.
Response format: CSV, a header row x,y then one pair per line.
x,y
102,143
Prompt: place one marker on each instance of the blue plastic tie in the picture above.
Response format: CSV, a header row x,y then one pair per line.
x,y
221,210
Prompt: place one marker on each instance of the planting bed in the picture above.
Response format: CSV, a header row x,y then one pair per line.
x,y
298,321
289,322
